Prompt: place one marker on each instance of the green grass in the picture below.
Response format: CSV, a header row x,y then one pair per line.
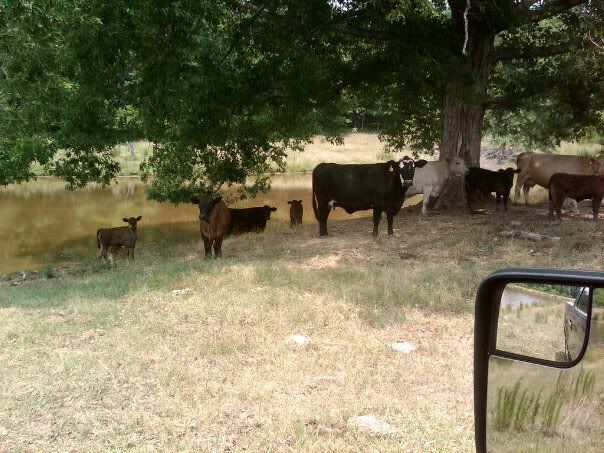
x,y
114,359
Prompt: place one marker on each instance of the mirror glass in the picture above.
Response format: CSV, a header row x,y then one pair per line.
x,y
543,321
533,407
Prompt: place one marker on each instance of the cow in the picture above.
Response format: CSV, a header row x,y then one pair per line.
x,y
109,239
483,182
248,220
359,187
537,169
214,223
295,212
577,187
429,179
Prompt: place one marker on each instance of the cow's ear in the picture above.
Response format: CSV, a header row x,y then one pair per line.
x,y
125,219
289,202
300,201
139,218
194,200
273,209
420,163
216,200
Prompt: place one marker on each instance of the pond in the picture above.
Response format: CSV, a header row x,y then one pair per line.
x,y
44,225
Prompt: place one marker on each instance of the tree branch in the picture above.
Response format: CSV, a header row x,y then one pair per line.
x,y
379,35
530,53
553,8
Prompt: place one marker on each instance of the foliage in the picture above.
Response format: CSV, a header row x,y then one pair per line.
x,y
222,88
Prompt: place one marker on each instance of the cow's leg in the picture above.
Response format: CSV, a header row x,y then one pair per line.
x,y
102,252
132,252
526,188
377,217
207,245
469,199
559,202
390,217
519,184
427,192
323,211
497,200
595,206
550,215
218,248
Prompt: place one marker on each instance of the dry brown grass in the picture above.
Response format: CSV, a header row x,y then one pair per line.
x,y
210,368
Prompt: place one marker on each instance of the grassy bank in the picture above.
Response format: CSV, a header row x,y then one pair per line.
x,y
173,352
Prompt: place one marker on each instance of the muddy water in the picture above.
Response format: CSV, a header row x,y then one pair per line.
x,y
44,225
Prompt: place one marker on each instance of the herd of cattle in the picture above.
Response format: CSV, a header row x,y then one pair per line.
x,y
383,187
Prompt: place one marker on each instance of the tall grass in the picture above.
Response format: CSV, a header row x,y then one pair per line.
x,y
517,408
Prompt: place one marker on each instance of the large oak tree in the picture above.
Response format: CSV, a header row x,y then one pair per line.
x,y
223,88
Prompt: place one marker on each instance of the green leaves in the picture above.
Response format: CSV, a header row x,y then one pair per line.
x,y
223,88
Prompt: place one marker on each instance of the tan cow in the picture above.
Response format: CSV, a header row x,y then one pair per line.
x,y
430,179
537,169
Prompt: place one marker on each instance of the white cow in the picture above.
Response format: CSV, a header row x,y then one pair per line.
x,y
429,180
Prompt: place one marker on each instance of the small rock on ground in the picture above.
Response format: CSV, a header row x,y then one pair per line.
x,y
371,424
299,340
403,346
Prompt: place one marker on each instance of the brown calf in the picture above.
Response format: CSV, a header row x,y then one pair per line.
x,y
214,223
295,212
109,239
577,187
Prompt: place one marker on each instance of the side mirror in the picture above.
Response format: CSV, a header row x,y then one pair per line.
x,y
534,370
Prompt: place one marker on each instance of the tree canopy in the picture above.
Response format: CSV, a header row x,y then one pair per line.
x,y
223,88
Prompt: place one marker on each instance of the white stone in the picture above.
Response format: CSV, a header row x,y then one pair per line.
x,y
178,292
370,423
300,340
403,346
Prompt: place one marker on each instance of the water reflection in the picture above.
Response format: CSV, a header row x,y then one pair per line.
x,y
43,224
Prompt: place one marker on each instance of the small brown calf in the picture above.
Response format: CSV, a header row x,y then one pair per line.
x,y
295,212
577,187
109,239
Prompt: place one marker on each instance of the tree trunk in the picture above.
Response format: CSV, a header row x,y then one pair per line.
x,y
463,111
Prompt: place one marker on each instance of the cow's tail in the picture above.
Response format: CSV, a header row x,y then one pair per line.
x,y
314,198
98,239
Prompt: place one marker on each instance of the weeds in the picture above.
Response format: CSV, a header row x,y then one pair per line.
x,y
541,317
518,409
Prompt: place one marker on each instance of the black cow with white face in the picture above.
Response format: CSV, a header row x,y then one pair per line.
x,y
355,187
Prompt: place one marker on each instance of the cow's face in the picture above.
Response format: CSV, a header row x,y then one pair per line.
x,y
267,211
206,204
507,176
457,166
132,221
407,168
